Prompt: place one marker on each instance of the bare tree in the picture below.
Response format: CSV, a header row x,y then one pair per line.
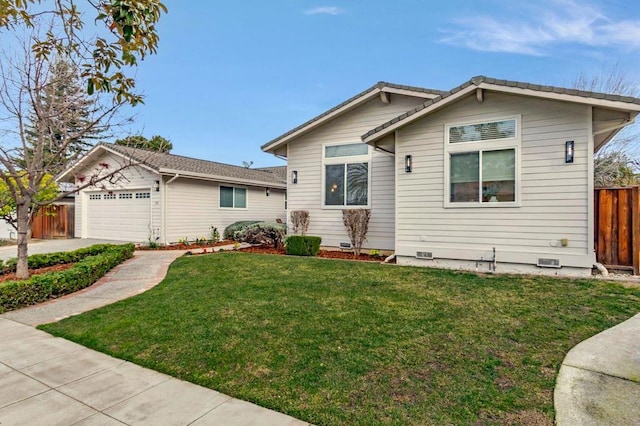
x,y
41,136
615,80
300,221
357,223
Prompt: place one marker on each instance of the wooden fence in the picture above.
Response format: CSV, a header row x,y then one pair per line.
x,y
56,221
617,228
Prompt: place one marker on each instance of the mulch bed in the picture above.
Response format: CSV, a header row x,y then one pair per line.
x,y
346,255
190,246
55,268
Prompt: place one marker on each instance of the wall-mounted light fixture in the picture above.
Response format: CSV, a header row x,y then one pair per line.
x,y
408,163
156,185
568,151
266,192
294,176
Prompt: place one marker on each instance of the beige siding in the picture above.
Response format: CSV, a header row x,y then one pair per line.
x,y
134,177
192,207
305,155
554,195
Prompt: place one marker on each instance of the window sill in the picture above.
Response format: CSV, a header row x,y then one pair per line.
x,y
488,205
344,207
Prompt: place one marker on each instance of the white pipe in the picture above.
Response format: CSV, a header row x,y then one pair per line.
x,y
390,258
600,267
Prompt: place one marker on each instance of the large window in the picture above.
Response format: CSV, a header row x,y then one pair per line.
x,y
233,198
482,161
346,175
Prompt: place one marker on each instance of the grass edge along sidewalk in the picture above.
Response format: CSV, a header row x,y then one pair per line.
x,y
334,342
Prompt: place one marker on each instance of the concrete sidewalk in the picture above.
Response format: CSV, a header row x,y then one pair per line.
x,y
599,380
45,380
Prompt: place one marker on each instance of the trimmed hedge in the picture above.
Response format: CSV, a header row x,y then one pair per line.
x,y
37,261
231,230
39,288
303,245
268,234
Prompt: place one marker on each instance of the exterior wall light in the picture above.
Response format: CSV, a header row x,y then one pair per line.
x,y
294,176
408,163
568,151
156,185
266,192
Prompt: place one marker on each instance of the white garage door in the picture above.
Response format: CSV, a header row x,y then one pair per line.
x,y
119,215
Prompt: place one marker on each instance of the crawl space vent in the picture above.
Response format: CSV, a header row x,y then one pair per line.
x,y
345,245
424,255
549,263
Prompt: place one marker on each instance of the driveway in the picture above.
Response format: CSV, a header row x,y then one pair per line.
x,y
52,246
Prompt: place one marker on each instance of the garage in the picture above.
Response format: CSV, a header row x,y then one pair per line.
x,y
119,215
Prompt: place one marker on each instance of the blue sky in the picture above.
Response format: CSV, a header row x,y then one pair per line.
x,y
230,76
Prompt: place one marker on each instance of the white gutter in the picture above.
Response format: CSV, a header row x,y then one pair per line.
x,y
224,179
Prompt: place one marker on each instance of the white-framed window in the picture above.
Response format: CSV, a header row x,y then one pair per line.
x,y
233,197
482,163
95,196
110,196
346,175
125,196
143,195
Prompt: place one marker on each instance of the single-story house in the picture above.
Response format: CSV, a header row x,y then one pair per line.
x,y
491,175
164,198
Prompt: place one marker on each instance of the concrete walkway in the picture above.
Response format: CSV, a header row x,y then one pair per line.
x,y
599,380
46,380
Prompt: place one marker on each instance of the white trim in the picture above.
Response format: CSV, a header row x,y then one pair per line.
x,y
351,159
590,183
616,105
345,108
246,198
514,143
223,179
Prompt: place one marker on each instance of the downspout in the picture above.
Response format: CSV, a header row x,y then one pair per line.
x,y
600,267
165,193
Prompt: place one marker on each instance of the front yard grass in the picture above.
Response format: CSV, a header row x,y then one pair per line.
x,y
335,342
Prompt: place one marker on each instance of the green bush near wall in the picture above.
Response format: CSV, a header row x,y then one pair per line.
x,y
231,230
92,263
303,245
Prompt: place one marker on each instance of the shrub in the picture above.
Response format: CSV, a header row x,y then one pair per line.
x,y
303,245
231,230
357,223
214,235
267,234
38,288
60,258
299,221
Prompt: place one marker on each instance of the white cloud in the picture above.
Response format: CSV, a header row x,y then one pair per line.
x,y
554,22
325,10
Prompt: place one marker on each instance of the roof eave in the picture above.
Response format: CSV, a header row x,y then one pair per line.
x,y
224,179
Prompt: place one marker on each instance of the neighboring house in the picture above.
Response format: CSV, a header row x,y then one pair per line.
x,y
492,174
165,197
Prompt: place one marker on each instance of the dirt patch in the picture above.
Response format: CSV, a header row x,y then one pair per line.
x,y
327,254
55,268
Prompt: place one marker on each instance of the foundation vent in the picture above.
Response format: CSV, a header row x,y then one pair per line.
x,y
549,263
345,245
424,255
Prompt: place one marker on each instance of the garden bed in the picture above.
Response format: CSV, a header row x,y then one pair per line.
x,y
11,276
327,254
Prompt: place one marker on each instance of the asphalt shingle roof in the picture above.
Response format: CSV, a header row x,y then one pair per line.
x,y
159,161
476,81
379,85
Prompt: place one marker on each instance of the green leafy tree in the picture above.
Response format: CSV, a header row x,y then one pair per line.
x,y
156,143
49,191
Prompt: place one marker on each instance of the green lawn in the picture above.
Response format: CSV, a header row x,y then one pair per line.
x,y
335,342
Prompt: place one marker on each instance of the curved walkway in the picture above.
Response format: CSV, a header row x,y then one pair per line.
x,y
599,380
48,380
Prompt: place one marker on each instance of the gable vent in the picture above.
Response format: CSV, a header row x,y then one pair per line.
x,y
424,254
549,263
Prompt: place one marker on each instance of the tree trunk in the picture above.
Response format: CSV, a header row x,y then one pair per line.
x,y
22,268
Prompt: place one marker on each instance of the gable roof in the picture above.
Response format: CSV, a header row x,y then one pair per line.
x,y
171,164
381,86
604,100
